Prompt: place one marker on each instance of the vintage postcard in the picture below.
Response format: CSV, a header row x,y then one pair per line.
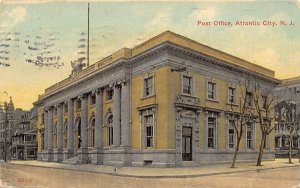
x,y
149,93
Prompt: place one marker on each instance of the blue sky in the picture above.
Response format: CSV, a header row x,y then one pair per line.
x,y
115,25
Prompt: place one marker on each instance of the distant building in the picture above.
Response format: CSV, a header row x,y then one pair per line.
x,y
287,113
24,142
165,102
14,117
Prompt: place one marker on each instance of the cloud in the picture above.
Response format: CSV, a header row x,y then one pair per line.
x,y
13,17
204,14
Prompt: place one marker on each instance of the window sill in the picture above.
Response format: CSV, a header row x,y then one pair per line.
x,y
211,149
231,104
188,95
147,97
212,100
149,148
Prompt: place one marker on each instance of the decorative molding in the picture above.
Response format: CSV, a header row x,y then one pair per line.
x,y
152,106
187,102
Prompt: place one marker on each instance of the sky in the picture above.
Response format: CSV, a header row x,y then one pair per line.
x,y
38,40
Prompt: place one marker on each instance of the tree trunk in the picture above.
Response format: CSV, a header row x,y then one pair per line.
x,y
261,150
290,148
236,151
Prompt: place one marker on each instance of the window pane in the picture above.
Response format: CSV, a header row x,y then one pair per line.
x,y
149,131
187,84
210,132
210,143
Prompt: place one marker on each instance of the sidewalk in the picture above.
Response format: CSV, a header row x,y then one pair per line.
x,y
178,172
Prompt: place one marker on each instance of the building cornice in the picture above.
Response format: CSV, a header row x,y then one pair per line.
x,y
76,81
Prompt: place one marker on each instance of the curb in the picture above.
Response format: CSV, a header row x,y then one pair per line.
x,y
153,176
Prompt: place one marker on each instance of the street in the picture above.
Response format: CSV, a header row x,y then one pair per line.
x,y
28,176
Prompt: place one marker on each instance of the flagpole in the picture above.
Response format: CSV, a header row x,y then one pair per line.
x,y
88,37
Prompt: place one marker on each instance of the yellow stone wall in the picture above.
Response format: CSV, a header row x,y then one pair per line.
x,y
167,86
160,98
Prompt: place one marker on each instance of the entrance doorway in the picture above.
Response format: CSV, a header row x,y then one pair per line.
x,y
77,136
187,143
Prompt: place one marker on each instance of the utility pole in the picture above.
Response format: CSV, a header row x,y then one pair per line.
x,y
5,126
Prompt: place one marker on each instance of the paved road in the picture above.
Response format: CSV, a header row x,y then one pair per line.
x,y
25,176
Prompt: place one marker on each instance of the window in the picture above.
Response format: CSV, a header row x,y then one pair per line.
x,y
231,95
211,90
249,135
148,121
266,142
93,132
211,136
148,86
55,128
43,118
92,100
187,85
109,94
264,102
65,135
78,104
110,130
248,99
231,134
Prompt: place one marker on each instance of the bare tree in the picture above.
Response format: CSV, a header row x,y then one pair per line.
x,y
291,127
264,104
239,126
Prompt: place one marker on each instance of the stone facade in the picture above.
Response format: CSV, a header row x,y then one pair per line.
x,y
287,115
14,118
149,105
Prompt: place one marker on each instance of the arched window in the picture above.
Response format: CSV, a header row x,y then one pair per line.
x,y
55,135
110,130
65,134
93,132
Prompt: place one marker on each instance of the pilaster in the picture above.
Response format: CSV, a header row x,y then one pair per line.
x,y
117,115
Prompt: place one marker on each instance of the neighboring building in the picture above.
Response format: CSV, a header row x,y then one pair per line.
x,y
24,142
287,114
161,103
14,117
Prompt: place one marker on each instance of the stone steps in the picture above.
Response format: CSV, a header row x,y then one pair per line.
x,y
72,161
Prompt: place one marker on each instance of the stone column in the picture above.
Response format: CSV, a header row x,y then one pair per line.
x,y
58,155
50,135
83,151
46,130
68,153
117,116
125,122
125,114
97,157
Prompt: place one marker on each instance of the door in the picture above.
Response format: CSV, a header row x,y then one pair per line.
x,y
77,137
187,143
